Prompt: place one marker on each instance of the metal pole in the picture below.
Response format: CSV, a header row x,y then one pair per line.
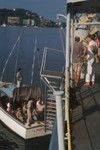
x,y
71,53
33,63
67,69
60,120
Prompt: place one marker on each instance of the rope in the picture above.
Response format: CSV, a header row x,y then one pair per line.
x,y
39,66
62,41
2,74
16,63
33,64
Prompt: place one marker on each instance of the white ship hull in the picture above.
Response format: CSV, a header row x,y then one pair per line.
x,y
24,131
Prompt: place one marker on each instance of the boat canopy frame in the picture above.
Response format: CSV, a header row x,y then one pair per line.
x,y
48,76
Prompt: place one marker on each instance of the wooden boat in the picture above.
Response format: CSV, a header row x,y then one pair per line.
x,y
37,129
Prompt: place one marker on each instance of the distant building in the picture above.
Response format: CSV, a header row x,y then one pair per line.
x,y
26,22
13,20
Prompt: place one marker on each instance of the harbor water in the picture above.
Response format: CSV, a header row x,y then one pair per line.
x,y
22,57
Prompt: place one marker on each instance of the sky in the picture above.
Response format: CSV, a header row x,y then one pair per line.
x,y
45,8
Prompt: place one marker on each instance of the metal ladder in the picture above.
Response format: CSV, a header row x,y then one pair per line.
x,y
50,109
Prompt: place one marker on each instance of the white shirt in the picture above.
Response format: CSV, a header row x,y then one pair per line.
x,y
91,46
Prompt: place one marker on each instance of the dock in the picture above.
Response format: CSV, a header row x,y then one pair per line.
x,y
86,117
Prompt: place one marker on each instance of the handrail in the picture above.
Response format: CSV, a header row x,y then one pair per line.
x,y
88,23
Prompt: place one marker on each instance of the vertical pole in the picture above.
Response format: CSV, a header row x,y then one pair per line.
x,y
60,120
33,63
71,54
67,69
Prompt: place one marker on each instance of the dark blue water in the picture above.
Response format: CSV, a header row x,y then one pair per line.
x,y
46,37
10,141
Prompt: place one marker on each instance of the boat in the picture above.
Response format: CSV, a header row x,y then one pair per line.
x,y
3,25
37,129
9,91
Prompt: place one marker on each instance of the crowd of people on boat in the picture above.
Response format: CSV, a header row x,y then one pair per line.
x,y
89,54
27,112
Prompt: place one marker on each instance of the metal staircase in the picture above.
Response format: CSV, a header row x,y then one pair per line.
x,y
50,110
53,79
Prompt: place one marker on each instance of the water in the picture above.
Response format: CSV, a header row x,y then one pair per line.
x,y
47,37
10,141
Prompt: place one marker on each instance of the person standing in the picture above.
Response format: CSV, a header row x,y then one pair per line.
x,y
91,50
40,109
30,108
98,44
77,60
19,77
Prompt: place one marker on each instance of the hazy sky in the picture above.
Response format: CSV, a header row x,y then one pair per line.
x,y
45,8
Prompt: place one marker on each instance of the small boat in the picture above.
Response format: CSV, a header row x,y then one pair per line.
x,y
37,129
3,25
23,129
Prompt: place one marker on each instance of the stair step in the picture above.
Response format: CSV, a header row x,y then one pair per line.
x,y
51,99
49,123
51,103
51,111
50,118
51,107
51,115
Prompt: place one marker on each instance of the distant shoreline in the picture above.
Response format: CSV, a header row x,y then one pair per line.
x,y
26,18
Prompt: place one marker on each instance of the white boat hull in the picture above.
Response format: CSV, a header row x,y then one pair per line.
x,y
20,129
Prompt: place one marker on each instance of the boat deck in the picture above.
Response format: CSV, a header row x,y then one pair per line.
x,y
35,124
86,117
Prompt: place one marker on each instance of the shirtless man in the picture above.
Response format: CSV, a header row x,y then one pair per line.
x,y
40,109
30,107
